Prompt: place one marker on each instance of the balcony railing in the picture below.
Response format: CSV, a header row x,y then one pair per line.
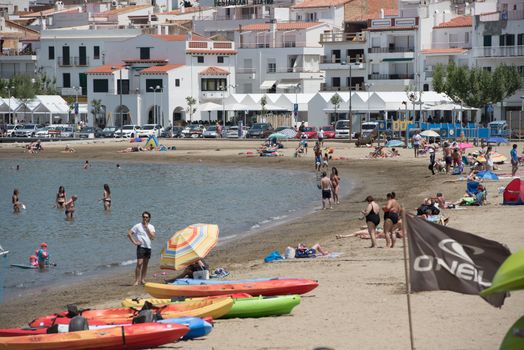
x,y
334,59
65,61
499,51
16,52
245,70
81,61
451,45
355,87
376,76
342,36
292,70
278,44
390,49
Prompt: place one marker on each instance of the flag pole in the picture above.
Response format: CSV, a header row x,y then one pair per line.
x,y
406,273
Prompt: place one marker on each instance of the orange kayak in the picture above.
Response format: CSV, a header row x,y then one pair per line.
x,y
214,308
138,336
271,287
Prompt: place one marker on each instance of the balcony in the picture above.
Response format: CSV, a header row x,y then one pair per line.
x,y
338,60
499,51
356,87
291,70
213,94
81,61
331,36
65,61
278,44
390,49
376,76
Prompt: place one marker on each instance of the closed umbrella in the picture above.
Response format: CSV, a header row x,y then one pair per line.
x,y
429,133
188,245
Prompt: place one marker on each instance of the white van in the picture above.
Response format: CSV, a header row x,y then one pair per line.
x,y
342,129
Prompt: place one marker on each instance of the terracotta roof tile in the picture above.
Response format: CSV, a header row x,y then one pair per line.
x,y
211,52
160,69
105,69
281,26
214,71
449,51
47,12
457,22
179,37
319,3
362,10
122,10
187,10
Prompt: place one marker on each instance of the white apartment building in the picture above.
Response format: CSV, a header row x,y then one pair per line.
x,y
17,49
499,39
280,57
67,54
326,11
158,73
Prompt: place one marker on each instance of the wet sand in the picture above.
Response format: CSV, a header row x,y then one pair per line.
x,y
361,293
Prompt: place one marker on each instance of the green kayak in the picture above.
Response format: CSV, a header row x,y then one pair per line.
x,y
263,306
509,276
514,339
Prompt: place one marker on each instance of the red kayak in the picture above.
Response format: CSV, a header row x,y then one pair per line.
x,y
265,287
138,336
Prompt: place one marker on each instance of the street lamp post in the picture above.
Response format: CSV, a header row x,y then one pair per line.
x,y
368,88
10,117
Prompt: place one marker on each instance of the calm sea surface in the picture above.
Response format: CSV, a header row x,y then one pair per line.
x,y
237,199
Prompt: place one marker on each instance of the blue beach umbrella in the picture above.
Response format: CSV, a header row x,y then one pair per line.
x,y
487,175
395,143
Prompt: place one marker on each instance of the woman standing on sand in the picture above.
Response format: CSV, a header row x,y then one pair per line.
x,y
372,217
335,184
107,197
391,218
61,197
70,207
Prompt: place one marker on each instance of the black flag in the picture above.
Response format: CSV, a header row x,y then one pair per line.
x,y
443,258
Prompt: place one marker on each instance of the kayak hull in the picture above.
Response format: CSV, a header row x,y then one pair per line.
x,y
265,288
139,336
138,303
512,340
263,306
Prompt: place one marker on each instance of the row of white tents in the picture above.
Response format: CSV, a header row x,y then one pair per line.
x,y
315,108
40,110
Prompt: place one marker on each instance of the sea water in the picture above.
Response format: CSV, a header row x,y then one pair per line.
x,y
239,200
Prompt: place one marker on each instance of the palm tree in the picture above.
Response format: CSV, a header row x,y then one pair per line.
x,y
96,108
263,103
336,101
190,103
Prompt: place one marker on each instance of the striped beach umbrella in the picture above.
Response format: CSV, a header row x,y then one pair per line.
x,y
188,245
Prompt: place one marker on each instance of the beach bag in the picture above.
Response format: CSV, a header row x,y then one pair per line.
x,y
201,275
289,253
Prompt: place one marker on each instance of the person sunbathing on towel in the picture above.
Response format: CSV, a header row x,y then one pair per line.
x,y
302,251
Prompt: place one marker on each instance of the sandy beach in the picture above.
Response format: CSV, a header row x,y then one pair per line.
x,y
361,301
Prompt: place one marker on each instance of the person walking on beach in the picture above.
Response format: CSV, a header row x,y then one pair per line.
x,y
15,199
416,143
320,136
325,186
447,156
514,160
391,219
107,197
318,156
141,236
371,214
335,184
70,207
431,160
489,159
61,197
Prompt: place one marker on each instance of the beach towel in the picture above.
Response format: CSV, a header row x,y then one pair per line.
x,y
273,256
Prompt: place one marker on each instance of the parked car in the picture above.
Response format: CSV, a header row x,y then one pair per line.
x,y
172,131
90,133
260,130
66,131
342,129
310,131
150,130
28,130
211,132
44,132
11,128
128,131
109,131
193,130
329,132
232,132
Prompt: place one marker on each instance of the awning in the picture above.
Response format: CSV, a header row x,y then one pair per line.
x,y
267,84
398,59
288,84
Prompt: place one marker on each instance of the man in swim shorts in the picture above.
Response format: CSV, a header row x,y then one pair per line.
x,y
325,186
141,235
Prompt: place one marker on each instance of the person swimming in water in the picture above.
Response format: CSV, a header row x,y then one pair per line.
x,y
107,197
87,165
70,207
60,197
15,199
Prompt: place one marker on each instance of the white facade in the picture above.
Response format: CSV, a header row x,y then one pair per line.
x,y
13,6
68,54
333,15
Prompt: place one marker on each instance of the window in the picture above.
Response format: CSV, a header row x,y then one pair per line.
x,y
520,39
100,85
96,52
200,59
125,86
151,85
487,69
213,84
487,40
177,82
51,52
145,53
335,56
220,59
66,80
335,81
510,39
271,67
502,40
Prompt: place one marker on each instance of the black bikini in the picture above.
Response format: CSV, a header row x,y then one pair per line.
x,y
373,217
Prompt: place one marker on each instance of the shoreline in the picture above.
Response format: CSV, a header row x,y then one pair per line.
x,y
360,292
